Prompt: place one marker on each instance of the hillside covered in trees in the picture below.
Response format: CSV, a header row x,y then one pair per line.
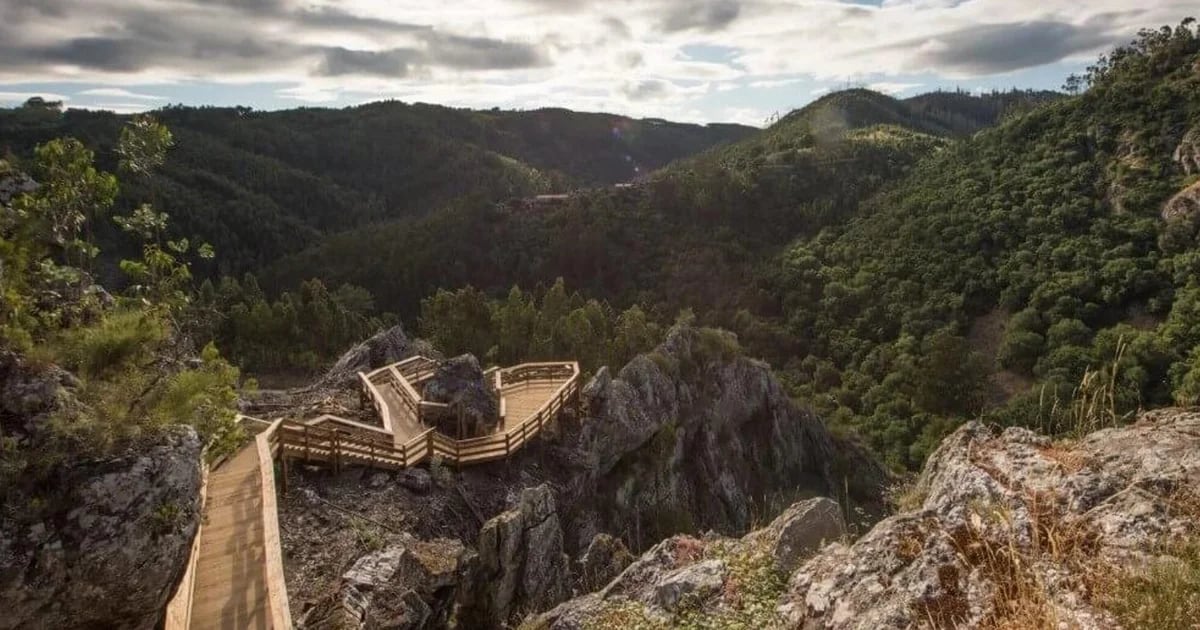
x,y
258,185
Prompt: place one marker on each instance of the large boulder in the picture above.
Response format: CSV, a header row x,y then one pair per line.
x,y
385,348
473,409
412,585
29,395
719,580
1187,154
691,436
1006,511
1185,204
522,564
110,550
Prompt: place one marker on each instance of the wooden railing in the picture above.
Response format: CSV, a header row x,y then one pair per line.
x,y
341,442
269,446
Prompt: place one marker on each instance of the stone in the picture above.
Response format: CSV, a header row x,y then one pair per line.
x,y
378,480
474,410
603,560
416,479
411,585
522,564
802,530
1183,205
987,490
695,582
1187,154
684,438
112,555
597,388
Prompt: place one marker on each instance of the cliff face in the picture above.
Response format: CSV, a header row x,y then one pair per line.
x,y
1006,529
110,550
693,437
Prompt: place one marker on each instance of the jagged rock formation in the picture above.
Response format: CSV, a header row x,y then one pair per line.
x,y
473,409
412,585
522,564
29,395
1184,204
1013,530
1005,511
1187,154
384,348
603,560
713,578
112,548
689,437
14,184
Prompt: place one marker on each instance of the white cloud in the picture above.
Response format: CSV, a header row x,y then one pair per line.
x,y
119,93
526,53
893,87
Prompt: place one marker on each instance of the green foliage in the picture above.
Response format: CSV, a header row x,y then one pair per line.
x,y
299,332
259,185
131,357
524,328
1165,595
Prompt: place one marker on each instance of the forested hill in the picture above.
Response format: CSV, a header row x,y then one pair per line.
x,y
1023,272
258,185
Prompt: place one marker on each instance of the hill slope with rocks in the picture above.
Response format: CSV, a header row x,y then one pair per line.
x,y
1003,529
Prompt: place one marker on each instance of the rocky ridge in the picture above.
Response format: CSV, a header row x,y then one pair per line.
x,y
1006,529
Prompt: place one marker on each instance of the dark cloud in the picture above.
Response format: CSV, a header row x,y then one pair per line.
x,y
645,90
338,19
617,27
481,53
704,15
387,63
98,53
996,48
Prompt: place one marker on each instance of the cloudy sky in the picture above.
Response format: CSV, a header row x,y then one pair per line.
x,y
696,60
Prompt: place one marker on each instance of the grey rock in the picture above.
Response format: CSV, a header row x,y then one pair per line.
x,y
1183,205
416,479
603,560
597,387
999,491
696,582
459,383
685,438
112,555
412,585
802,530
1187,154
522,564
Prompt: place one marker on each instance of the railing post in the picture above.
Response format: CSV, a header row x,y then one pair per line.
x,y
507,448
307,449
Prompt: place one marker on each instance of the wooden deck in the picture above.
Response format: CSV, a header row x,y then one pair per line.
x,y
235,576
230,585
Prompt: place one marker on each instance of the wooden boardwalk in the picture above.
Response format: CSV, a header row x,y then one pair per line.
x,y
235,576
230,588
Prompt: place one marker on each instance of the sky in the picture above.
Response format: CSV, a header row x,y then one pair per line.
x,y
690,60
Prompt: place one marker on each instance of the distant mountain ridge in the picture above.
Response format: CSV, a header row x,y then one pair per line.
x,y
260,184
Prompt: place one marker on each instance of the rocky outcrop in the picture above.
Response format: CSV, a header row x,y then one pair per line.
x,y
13,184
28,395
1013,530
1187,154
603,560
688,437
522,564
1184,204
1012,524
412,585
334,392
110,550
473,409
724,581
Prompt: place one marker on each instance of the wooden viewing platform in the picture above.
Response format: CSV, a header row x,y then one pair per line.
x,y
235,578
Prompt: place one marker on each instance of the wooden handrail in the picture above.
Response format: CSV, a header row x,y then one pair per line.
x,y
277,598
385,415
